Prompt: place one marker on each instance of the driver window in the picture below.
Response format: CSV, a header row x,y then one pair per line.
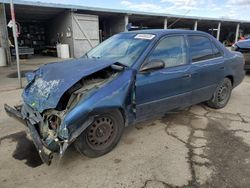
x,y
171,50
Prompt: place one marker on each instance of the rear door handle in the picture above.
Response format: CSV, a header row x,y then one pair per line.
x,y
187,76
222,68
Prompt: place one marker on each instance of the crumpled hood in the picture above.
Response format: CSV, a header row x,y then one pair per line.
x,y
245,44
51,81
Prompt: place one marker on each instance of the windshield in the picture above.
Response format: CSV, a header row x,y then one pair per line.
x,y
124,48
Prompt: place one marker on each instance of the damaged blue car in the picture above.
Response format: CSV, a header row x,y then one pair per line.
x,y
130,77
243,46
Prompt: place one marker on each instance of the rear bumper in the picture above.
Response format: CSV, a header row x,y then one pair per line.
x,y
247,59
45,154
247,65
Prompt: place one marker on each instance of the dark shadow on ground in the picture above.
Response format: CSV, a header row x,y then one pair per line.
x,y
25,149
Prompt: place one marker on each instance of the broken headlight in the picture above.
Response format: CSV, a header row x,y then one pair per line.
x,y
63,132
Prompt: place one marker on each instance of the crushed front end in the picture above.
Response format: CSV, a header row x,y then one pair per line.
x,y
46,129
49,101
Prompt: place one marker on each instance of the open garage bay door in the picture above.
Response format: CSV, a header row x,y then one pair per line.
x,y
85,33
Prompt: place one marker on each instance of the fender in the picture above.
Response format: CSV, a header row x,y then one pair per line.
x,y
108,97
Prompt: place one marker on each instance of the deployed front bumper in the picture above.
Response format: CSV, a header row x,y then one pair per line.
x,y
45,154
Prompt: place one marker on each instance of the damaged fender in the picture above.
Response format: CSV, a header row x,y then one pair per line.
x,y
108,97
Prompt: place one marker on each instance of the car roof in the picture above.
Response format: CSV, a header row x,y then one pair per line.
x,y
161,32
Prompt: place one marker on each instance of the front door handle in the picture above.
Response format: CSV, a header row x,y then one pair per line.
x,y
187,76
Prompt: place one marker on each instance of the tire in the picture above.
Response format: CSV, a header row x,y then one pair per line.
x,y
102,135
221,95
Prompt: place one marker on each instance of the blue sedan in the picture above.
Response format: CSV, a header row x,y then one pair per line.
x,y
128,78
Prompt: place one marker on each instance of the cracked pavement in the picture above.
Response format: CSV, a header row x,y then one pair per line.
x,y
194,147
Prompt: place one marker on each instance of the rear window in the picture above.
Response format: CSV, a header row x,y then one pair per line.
x,y
200,48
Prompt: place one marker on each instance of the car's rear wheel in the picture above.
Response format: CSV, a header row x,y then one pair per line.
x,y
221,95
102,135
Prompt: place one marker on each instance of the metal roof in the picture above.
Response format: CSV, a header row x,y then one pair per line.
x,y
33,13
118,11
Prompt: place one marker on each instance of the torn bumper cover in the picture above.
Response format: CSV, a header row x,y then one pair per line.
x,y
31,119
45,154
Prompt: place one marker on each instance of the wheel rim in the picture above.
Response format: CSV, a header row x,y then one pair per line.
x,y
101,133
223,93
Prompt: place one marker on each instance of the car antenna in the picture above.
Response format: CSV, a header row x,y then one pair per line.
x,y
178,19
187,3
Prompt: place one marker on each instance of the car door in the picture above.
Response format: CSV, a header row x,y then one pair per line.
x,y
158,91
207,64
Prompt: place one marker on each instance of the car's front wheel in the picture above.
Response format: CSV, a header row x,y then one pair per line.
x,y
221,95
102,135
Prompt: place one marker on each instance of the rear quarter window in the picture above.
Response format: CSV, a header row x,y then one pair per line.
x,y
216,51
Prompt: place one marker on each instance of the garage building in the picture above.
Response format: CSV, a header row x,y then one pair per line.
x,y
42,26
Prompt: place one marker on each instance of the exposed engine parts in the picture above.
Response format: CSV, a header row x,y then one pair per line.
x,y
48,128
84,85
54,122
52,119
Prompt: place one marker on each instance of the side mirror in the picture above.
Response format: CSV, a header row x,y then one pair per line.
x,y
154,64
